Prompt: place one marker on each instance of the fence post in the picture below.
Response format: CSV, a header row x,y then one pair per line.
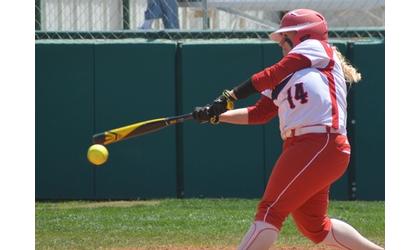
x,y
126,14
205,16
37,14
352,184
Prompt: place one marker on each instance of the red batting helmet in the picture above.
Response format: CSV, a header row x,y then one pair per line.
x,y
309,24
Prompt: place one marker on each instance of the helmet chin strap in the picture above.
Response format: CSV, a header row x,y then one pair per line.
x,y
288,41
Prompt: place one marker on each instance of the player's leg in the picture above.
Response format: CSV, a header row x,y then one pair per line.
x,y
308,164
313,222
261,235
344,236
296,177
311,218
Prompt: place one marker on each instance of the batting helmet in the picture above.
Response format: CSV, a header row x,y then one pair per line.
x,y
308,24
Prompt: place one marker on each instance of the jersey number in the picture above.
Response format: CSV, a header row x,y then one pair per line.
x,y
300,95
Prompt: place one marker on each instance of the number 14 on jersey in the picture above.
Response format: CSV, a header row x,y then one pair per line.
x,y
300,95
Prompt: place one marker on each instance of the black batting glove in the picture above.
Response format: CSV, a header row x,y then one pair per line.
x,y
202,114
222,104
210,113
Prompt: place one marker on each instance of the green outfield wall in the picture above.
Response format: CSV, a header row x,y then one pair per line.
x,y
64,120
85,87
367,120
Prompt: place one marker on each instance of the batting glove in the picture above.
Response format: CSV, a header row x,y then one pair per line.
x,y
202,114
222,104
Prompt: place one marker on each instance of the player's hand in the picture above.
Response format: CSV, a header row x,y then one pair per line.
x,y
202,114
222,104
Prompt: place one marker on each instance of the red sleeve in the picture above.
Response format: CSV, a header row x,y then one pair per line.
x,y
273,75
262,112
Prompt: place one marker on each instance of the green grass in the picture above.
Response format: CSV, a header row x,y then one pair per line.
x,y
194,223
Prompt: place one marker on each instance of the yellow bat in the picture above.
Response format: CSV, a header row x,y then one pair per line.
x,y
137,129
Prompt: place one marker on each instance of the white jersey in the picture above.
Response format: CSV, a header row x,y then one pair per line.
x,y
312,96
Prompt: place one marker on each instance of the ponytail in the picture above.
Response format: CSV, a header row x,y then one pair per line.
x,y
351,75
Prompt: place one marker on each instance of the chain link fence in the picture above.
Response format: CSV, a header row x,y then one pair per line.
x,y
203,19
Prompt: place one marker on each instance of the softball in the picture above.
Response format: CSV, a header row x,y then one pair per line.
x,y
97,154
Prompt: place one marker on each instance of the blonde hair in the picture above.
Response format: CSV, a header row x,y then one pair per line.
x,y
351,75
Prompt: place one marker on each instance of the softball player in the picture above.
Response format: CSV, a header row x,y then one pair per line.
x,y
307,90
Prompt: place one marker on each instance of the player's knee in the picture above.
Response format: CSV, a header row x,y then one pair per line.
x,y
317,237
271,215
315,230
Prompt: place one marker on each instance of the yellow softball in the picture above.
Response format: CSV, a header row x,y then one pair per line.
x,y
97,154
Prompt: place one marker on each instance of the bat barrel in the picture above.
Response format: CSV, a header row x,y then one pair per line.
x,y
140,128
98,138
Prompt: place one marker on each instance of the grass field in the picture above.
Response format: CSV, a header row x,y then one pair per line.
x,y
178,224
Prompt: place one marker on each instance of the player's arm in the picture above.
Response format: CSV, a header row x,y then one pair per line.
x,y
310,53
260,113
266,79
235,116
270,77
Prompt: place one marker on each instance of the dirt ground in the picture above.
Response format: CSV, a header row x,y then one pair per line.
x,y
220,248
